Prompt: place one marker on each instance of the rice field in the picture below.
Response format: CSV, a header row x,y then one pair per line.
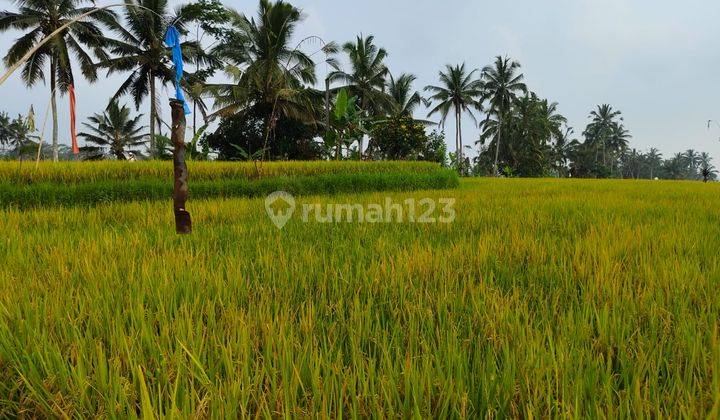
x,y
544,298
24,186
79,172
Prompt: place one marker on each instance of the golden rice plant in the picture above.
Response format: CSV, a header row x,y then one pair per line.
x,y
72,172
543,298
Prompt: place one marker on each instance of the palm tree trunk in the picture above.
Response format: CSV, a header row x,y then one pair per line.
x,y
152,116
327,108
457,139
603,151
338,148
497,146
53,104
460,144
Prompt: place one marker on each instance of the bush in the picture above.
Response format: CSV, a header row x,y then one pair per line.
x,y
400,138
290,139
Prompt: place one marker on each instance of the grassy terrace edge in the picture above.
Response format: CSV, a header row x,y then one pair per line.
x,y
48,194
69,172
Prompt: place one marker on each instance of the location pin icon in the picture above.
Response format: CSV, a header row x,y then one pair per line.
x,y
280,207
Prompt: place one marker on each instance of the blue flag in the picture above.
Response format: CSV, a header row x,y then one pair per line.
x,y
172,40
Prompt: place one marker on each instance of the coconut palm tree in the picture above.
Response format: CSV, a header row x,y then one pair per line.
x,y
620,138
366,80
501,86
460,92
529,128
17,136
707,170
654,161
141,52
271,75
551,118
116,130
404,100
563,149
677,167
694,161
38,19
603,125
618,143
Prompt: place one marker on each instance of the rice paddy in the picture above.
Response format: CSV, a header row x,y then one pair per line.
x,y
89,183
72,172
544,298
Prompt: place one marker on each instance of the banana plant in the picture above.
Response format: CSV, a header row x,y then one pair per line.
x,y
245,155
346,123
192,152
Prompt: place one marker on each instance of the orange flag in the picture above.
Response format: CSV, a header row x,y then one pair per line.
x,y
73,133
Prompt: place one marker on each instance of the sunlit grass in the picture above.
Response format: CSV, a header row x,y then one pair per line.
x,y
544,298
71,172
23,186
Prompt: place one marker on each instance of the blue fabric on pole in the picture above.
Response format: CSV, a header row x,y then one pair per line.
x,y
172,40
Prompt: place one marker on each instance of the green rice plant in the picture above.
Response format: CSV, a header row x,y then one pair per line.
x,y
25,196
544,298
74,172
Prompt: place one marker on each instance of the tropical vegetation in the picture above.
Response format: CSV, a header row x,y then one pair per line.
x,y
114,133
459,91
269,107
138,51
465,296
38,19
256,87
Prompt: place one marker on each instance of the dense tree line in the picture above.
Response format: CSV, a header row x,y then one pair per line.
x,y
271,104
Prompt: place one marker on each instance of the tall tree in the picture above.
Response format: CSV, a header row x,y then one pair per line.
x,y
115,130
529,128
141,52
676,167
16,135
271,75
210,24
39,19
404,99
654,161
632,163
694,160
366,80
707,170
7,133
618,145
563,149
367,76
604,123
460,92
501,86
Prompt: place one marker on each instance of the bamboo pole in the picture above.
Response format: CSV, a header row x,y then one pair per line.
x,y
42,132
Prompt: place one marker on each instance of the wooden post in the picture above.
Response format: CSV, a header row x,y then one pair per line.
x,y
183,223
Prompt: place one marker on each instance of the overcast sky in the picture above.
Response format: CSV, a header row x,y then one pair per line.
x,y
657,61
